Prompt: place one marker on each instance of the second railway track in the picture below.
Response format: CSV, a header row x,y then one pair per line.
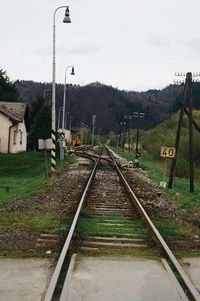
x,y
110,218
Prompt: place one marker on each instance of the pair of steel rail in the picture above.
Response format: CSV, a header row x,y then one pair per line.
x,y
54,280
159,239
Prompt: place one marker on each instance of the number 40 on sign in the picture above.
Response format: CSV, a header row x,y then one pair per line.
x,y
167,152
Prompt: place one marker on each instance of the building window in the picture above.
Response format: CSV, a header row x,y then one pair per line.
x,y
21,137
15,137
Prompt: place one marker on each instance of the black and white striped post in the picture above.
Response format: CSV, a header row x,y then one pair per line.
x,y
53,151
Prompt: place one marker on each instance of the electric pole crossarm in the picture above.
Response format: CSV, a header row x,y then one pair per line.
x,y
191,155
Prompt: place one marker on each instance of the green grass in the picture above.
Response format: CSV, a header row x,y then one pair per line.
x,y
180,191
189,203
45,223
181,254
22,175
172,230
39,222
25,175
90,226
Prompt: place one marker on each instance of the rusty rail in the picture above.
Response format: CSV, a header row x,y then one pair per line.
x,y
190,287
57,271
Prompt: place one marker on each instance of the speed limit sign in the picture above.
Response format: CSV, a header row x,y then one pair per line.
x,y
167,152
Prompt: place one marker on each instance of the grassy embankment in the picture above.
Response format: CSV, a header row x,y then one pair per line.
x,y
22,176
188,203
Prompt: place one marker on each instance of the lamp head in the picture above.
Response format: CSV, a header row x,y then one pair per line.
x,y
72,73
67,17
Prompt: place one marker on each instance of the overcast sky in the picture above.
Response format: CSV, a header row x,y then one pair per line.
x,y
129,44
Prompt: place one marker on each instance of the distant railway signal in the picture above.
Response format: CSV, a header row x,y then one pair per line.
x,y
138,116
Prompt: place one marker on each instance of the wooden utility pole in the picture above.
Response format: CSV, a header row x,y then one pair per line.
x,y
189,75
178,134
187,98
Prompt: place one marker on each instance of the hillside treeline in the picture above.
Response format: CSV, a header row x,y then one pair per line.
x,y
109,104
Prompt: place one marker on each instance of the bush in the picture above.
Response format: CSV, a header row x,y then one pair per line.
x,y
165,134
182,168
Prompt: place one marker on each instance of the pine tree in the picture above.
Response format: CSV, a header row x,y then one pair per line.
x,y
40,122
8,90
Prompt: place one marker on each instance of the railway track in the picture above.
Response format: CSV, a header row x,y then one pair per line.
x,y
110,218
114,221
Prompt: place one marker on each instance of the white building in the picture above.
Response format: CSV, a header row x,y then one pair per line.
x,y
13,134
68,135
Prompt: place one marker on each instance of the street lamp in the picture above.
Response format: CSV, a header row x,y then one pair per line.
x,y
64,97
128,118
70,122
82,125
58,125
122,134
45,92
53,132
93,128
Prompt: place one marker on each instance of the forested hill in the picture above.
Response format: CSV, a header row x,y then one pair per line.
x,y
109,104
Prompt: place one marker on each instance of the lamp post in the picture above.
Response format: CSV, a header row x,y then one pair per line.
x,y
122,134
70,122
128,118
82,125
93,128
58,125
44,93
53,132
64,97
